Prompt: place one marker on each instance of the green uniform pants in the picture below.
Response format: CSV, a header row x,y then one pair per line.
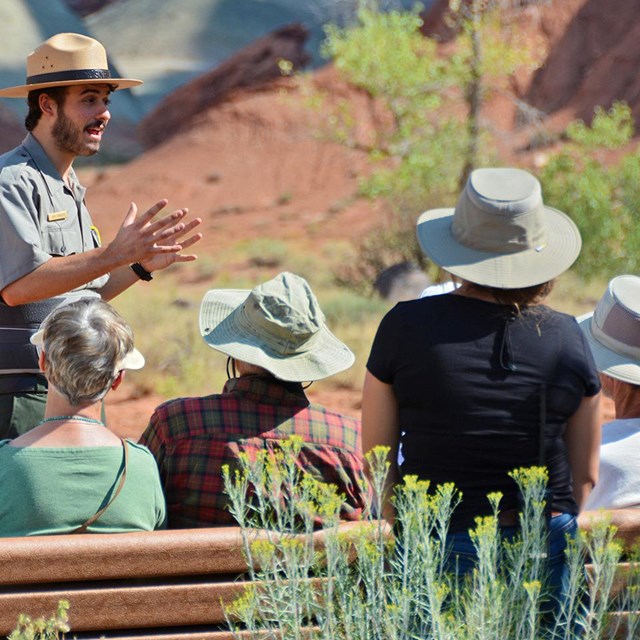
x,y
23,410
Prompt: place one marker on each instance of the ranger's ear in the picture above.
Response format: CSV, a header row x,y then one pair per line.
x,y
47,104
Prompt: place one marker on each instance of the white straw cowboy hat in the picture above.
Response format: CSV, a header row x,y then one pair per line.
x,y
67,59
500,233
133,360
278,326
613,330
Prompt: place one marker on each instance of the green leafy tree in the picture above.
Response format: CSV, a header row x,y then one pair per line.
x,y
600,194
386,54
434,139
487,56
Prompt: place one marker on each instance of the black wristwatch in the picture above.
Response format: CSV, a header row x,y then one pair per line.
x,y
141,272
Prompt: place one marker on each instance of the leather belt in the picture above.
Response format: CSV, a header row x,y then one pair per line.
x,y
19,355
27,315
510,518
22,383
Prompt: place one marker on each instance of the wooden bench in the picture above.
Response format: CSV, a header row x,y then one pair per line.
x,y
145,585
626,521
157,585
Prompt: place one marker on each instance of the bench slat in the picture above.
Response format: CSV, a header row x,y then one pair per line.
x,y
176,635
202,635
126,607
624,572
120,583
144,554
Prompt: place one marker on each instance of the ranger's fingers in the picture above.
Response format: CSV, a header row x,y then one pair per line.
x,y
189,242
192,224
165,248
169,235
162,226
130,217
181,229
153,211
187,258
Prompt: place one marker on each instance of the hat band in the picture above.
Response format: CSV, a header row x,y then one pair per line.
x,y
498,231
79,74
619,323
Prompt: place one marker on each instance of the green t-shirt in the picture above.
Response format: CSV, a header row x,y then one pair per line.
x,y
46,490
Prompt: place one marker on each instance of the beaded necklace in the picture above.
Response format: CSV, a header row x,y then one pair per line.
x,y
76,418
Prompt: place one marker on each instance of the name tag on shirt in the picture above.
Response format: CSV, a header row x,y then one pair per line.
x,y
56,216
95,234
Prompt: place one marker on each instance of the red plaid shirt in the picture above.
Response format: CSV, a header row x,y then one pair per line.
x,y
192,438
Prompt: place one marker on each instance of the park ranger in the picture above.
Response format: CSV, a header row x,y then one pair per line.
x,y
49,248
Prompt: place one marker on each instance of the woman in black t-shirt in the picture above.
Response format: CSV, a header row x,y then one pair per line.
x,y
462,376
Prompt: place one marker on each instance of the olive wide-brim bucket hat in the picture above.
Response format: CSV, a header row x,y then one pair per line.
x,y
500,233
67,59
613,330
278,326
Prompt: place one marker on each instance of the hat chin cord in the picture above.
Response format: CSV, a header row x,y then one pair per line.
x,y
233,373
231,361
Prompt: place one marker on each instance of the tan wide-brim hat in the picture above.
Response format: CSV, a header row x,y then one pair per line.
x,y
67,59
500,234
278,326
613,330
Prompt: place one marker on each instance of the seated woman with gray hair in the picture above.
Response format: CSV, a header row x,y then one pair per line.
x,y
70,473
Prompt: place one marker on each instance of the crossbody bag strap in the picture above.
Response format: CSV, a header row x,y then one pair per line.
x,y
123,476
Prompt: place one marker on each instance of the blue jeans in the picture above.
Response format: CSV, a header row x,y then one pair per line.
x,y
463,557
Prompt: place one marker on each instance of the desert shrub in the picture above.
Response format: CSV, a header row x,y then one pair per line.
x,y
266,252
53,628
391,243
367,586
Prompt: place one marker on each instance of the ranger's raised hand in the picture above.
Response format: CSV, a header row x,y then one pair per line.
x,y
155,244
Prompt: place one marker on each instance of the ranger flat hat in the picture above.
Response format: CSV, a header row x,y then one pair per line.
x,y
67,59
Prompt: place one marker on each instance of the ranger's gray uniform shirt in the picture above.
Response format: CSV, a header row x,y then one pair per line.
x,y
40,217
